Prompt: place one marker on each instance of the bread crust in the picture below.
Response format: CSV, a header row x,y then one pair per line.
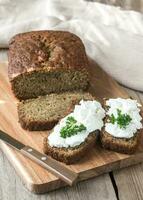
x,y
70,155
45,50
121,145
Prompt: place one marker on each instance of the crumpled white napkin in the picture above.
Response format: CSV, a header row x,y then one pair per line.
x,y
113,37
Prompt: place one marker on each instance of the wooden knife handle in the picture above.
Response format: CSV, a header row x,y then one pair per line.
x,y
51,165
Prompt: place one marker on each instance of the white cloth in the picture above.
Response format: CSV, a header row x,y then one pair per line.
x,y
113,37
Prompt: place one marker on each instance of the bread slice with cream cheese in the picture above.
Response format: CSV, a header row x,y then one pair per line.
x,y
121,145
118,144
76,133
70,155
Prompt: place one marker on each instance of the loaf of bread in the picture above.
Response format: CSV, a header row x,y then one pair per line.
x,y
72,154
44,62
44,112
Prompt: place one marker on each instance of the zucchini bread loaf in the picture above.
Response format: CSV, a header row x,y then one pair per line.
x,y
44,62
44,112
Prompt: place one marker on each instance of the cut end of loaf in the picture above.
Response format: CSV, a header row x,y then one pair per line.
x,y
42,82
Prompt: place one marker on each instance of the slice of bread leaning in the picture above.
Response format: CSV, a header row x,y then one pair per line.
x,y
121,145
44,112
72,154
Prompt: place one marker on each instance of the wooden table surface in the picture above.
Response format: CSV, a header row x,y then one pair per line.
x,y
124,184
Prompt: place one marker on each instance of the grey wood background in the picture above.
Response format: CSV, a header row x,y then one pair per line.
x,y
125,184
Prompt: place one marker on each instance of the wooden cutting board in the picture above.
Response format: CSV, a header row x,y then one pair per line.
x,y
98,160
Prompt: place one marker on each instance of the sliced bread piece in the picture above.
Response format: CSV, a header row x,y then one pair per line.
x,y
44,112
66,142
121,145
72,154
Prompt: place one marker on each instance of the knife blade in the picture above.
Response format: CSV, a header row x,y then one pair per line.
x,y
45,161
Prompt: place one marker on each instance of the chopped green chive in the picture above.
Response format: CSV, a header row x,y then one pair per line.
x,y
71,128
122,120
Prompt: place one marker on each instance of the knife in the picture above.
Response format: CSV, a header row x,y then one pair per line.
x,y
43,160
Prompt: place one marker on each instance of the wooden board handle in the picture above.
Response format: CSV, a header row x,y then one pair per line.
x,y
51,165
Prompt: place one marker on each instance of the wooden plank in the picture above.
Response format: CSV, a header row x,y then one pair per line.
x,y
98,160
12,188
129,180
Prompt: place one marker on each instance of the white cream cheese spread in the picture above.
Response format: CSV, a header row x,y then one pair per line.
x,y
128,107
88,113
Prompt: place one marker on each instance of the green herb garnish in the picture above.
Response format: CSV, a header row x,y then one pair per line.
x,y
122,120
71,128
